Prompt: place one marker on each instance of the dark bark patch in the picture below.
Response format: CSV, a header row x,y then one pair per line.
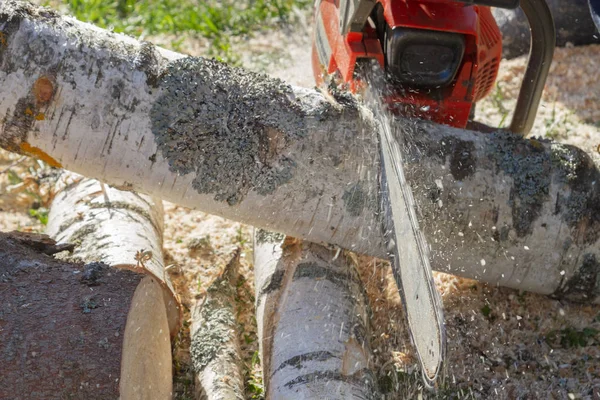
x,y
297,361
17,126
529,165
227,126
274,283
363,383
316,272
460,154
585,284
579,207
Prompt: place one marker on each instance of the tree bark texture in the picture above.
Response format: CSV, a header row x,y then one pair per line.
x,y
61,324
215,349
119,228
494,207
313,322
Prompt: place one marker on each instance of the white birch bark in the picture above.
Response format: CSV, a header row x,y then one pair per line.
x,y
494,207
312,320
215,348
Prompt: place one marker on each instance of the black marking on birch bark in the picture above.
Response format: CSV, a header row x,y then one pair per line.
x,y
69,222
77,237
297,361
585,284
227,126
363,380
315,271
123,205
274,283
16,127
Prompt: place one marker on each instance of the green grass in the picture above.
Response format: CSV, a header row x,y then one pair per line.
x,y
570,337
41,214
218,21
497,98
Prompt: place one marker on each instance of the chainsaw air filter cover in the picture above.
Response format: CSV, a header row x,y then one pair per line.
x,y
423,58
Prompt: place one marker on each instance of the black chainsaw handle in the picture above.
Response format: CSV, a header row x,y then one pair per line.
x,y
543,41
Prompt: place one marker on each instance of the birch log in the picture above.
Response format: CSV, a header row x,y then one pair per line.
x,y
121,229
494,207
124,230
215,349
312,318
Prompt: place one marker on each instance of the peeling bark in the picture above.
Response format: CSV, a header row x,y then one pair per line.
x,y
494,207
61,324
215,348
312,320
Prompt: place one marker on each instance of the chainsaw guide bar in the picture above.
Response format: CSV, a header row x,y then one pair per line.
x,y
409,252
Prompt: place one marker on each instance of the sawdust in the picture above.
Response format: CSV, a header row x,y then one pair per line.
x,y
502,343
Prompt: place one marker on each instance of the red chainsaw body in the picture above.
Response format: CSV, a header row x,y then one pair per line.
x,y
335,55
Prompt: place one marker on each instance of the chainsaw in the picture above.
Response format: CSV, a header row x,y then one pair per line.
x,y
438,57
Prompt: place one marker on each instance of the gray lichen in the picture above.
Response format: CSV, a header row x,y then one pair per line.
x,y
529,165
227,126
264,236
216,330
579,206
565,159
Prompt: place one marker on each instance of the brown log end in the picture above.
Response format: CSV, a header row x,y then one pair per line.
x,y
61,324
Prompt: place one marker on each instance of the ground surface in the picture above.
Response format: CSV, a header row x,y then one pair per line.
x,y
501,343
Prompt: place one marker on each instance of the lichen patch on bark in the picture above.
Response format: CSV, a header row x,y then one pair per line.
x,y
227,126
529,166
264,236
580,206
